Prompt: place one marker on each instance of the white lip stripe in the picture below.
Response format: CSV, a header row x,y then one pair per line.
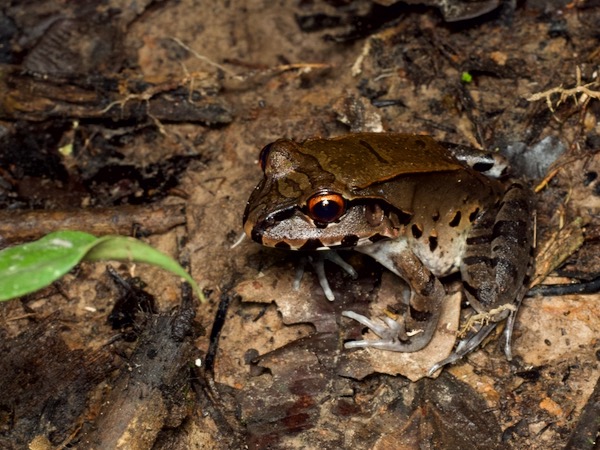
x,y
332,246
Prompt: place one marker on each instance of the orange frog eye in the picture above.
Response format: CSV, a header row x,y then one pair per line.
x,y
326,207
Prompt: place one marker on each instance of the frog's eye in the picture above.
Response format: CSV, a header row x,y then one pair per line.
x,y
264,155
326,207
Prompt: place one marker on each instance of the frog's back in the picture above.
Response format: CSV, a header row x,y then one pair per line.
x,y
363,159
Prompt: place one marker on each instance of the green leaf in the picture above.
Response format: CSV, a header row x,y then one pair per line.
x,y
129,249
29,267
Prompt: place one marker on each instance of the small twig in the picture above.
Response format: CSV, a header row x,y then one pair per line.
x,y
145,96
585,91
542,184
484,318
207,60
306,67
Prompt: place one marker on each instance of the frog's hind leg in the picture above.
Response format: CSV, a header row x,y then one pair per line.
x,y
497,264
422,311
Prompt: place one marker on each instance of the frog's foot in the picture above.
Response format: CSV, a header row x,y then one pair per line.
x,y
392,333
470,343
318,262
464,347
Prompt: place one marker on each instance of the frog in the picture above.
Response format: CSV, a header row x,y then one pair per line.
x,y
421,208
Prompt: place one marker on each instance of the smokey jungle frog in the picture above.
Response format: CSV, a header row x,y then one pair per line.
x,y
422,209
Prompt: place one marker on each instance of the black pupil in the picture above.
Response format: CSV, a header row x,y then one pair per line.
x,y
327,210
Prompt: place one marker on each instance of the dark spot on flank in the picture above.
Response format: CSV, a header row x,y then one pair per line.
x,y
483,166
350,240
474,215
480,240
312,244
456,219
436,216
420,143
433,243
403,217
417,231
283,245
377,237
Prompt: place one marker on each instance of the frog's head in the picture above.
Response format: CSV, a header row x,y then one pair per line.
x,y
302,204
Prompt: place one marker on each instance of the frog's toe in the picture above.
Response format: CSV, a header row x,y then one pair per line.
x,y
335,258
318,263
389,331
386,328
319,266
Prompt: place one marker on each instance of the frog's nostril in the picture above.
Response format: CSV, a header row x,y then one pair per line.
x,y
257,235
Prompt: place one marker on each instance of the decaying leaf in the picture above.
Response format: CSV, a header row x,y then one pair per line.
x,y
308,305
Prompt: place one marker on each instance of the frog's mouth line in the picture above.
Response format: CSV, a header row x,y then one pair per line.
x,y
363,223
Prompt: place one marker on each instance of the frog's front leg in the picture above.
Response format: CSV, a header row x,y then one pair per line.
x,y
422,311
318,262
